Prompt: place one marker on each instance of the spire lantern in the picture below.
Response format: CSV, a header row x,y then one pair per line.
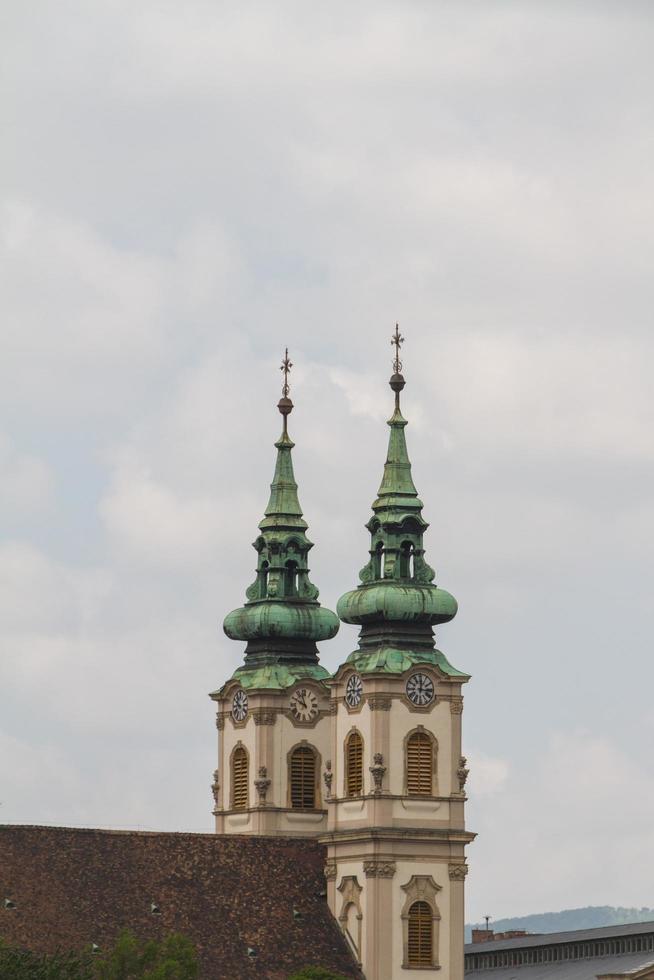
x,y
397,605
282,619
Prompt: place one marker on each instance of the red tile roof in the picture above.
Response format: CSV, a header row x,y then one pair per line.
x,y
76,887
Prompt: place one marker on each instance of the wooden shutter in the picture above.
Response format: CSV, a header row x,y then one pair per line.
x,y
421,930
419,764
239,779
303,778
354,765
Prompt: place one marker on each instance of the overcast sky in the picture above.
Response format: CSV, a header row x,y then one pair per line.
x,y
190,187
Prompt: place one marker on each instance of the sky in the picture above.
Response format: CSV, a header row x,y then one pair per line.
x,y
188,189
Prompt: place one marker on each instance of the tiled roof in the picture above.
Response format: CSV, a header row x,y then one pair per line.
x,y
572,936
76,887
587,969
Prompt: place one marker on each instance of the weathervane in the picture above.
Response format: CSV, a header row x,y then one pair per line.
x,y
286,367
396,341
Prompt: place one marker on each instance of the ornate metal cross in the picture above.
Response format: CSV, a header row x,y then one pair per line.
x,y
396,341
286,367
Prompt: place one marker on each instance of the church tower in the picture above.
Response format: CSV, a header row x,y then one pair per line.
x,y
396,836
273,715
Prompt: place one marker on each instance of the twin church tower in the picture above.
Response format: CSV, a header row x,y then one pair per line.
x,y
366,760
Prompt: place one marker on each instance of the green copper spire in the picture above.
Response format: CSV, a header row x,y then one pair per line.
x,y
282,619
397,605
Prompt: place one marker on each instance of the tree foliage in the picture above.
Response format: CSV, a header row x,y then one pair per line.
x,y
19,964
173,958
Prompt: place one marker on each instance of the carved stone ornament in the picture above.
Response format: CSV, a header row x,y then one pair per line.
x,y
262,784
378,771
330,870
220,721
456,705
264,716
379,869
457,872
378,702
215,787
328,776
462,773
350,890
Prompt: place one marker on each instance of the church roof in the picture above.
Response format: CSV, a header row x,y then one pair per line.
x,y
75,887
397,603
281,620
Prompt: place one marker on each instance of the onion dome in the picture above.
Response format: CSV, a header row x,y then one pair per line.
x,y
282,619
397,604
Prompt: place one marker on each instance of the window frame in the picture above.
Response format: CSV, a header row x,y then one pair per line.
x,y
347,763
239,748
421,731
317,761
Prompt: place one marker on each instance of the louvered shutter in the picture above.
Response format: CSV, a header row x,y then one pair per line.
x,y
239,779
303,778
354,765
421,926
419,764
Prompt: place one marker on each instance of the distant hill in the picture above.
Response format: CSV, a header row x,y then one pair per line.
x,y
590,917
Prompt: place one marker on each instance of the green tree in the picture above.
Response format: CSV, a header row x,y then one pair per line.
x,y
171,959
20,964
129,959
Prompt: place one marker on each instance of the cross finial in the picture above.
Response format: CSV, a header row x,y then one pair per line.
x,y
286,367
396,341
285,405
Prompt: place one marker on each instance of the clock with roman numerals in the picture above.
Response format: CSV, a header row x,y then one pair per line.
x,y
420,690
304,704
353,691
239,705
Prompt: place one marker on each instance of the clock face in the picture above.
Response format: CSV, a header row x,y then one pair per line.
x,y
239,706
420,690
304,704
353,691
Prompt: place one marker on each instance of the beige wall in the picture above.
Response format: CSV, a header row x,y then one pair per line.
x,y
412,836
381,839
268,744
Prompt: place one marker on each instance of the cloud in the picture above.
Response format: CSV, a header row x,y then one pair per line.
x,y
550,832
489,774
156,525
188,191
26,483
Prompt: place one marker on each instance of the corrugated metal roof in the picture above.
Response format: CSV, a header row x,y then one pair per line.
x,y
573,936
587,969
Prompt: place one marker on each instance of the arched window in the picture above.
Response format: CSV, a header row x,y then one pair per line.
x,y
240,766
263,580
406,560
377,560
290,578
303,778
419,764
420,944
353,764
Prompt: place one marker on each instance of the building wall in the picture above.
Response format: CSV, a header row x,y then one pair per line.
x,y
269,732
